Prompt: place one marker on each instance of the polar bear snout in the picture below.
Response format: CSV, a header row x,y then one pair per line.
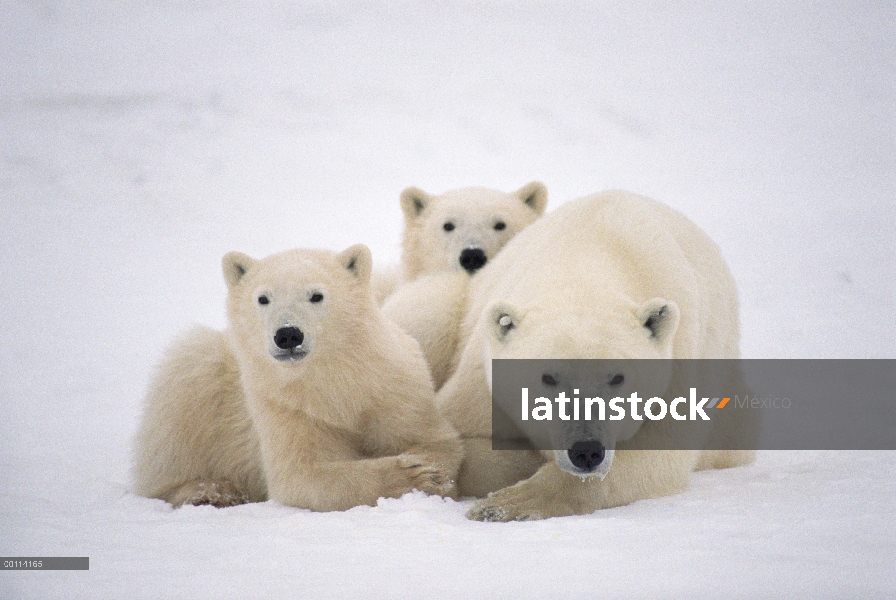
x,y
586,459
288,338
472,259
287,346
586,456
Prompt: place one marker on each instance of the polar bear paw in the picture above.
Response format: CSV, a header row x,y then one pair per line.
x,y
427,476
201,493
509,504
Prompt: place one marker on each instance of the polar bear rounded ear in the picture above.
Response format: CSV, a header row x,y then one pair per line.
x,y
660,317
502,319
535,196
235,265
357,261
413,202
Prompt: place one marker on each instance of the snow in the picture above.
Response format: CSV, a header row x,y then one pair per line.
x,y
141,141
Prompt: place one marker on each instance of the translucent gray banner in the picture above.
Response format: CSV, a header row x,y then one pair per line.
x,y
44,563
695,404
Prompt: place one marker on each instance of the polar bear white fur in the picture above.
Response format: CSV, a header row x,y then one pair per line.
x,y
311,398
447,239
196,443
612,275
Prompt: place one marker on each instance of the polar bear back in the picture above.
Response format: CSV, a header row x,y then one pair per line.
x,y
617,244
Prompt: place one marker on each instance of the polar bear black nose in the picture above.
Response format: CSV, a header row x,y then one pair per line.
x,y
586,455
472,259
288,338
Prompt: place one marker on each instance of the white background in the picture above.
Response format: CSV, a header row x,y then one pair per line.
x,y
141,141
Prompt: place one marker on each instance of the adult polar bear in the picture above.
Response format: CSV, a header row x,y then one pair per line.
x,y
613,275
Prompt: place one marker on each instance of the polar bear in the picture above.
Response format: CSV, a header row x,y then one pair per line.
x,y
462,229
311,398
447,239
614,276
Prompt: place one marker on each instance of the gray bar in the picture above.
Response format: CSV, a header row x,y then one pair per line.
x,y
761,404
44,563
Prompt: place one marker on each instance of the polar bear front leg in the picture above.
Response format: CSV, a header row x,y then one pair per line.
x,y
309,465
342,484
553,492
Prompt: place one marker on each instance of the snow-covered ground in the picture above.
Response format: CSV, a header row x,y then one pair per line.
x,y
141,141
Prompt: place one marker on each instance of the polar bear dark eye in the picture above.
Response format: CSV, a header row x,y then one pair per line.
x,y
500,226
316,297
263,299
617,379
548,379
448,226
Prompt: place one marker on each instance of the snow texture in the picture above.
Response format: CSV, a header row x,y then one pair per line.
x,y
141,141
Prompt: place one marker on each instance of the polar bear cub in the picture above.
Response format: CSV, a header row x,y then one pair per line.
x,y
447,239
611,276
463,229
311,398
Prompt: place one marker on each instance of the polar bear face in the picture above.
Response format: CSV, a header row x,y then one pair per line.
x,y
292,306
630,333
463,229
